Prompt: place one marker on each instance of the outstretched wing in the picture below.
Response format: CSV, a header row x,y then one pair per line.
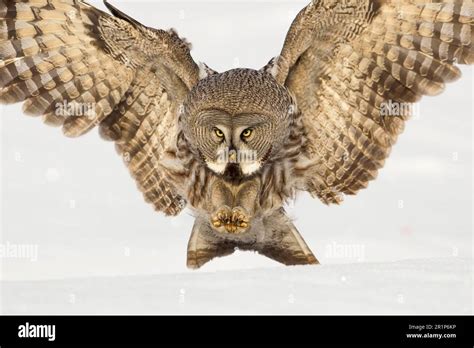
x,y
355,66
79,67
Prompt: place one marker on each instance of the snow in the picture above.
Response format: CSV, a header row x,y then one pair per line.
x,y
429,286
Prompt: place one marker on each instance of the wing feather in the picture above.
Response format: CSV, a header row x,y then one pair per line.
x,y
78,67
348,62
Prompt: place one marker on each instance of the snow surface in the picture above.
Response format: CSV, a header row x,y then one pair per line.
x,y
431,286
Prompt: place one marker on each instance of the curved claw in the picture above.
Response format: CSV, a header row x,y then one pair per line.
x,y
227,220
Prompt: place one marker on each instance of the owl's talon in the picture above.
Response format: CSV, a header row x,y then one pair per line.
x,y
227,220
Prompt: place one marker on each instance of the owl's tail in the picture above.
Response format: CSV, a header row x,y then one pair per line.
x,y
276,238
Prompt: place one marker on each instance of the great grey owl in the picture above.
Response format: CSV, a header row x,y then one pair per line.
x,y
236,146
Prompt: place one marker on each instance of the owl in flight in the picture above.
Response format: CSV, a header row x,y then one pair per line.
x,y
236,146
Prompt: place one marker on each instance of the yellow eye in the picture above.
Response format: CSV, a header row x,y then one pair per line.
x,y
247,133
219,133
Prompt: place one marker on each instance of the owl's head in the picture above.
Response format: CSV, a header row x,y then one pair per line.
x,y
237,121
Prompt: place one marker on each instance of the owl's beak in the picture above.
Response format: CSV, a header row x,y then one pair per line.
x,y
233,156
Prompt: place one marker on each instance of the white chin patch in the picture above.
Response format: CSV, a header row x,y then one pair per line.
x,y
250,167
217,167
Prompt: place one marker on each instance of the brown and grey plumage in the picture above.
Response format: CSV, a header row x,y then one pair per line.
x,y
236,146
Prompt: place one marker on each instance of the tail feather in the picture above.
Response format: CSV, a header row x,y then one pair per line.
x,y
283,242
276,238
203,247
